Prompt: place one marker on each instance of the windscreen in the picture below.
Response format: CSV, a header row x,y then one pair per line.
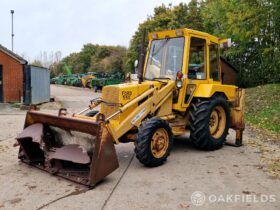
x,y
165,58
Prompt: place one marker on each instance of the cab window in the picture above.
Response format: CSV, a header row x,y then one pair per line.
x,y
165,58
214,62
197,67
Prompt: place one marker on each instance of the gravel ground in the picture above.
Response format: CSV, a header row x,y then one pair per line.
x,y
229,178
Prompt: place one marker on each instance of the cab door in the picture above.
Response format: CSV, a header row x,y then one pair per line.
x,y
197,67
214,63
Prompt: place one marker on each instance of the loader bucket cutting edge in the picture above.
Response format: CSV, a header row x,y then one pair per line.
x,y
40,146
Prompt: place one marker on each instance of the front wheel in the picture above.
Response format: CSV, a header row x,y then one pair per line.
x,y
209,123
154,142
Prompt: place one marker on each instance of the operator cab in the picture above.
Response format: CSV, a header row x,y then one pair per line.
x,y
190,57
166,55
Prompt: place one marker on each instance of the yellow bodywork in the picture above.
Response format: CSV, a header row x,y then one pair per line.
x,y
208,90
125,106
203,88
127,99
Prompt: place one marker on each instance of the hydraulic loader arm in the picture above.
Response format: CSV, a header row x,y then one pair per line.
x,y
155,99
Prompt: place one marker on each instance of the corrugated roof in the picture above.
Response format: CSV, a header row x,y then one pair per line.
x,y
12,54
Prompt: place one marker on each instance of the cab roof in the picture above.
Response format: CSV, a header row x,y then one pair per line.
x,y
182,32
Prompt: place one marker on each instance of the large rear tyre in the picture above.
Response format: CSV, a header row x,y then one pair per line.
x,y
209,123
154,142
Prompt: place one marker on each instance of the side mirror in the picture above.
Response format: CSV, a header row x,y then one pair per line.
x,y
225,43
136,63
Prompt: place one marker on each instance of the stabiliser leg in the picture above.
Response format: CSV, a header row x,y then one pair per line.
x,y
238,139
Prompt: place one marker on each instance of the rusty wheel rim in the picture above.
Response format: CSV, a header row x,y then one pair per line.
x,y
217,122
159,143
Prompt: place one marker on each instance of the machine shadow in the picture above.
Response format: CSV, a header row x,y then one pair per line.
x,y
183,143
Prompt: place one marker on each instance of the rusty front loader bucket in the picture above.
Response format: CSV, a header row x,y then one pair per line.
x,y
76,149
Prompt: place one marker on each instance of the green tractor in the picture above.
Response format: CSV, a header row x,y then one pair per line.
x,y
61,80
54,80
78,81
72,79
107,79
75,79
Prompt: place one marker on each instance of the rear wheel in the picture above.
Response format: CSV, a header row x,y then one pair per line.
x,y
153,142
209,123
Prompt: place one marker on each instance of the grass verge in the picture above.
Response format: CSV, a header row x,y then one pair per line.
x,y
263,107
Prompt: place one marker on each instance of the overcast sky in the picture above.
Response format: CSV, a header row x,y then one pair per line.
x,y
65,25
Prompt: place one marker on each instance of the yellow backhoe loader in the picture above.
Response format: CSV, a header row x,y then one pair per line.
x,y
179,90
86,80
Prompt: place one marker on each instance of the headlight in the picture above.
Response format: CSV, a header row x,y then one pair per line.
x,y
179,84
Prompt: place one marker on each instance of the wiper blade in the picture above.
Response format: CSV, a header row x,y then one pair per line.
x,y
158,78
149,79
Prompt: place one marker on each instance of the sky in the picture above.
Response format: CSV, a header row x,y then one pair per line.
x,y
65,25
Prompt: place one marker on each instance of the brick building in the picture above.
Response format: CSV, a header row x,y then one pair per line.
x,y
229,72
11,76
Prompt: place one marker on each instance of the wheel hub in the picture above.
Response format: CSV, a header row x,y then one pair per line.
x,y
217,122
159,143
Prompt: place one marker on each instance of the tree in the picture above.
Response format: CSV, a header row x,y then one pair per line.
x,y
166,17
253,26
37,63
97,58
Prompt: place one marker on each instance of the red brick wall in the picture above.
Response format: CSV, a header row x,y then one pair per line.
x,y
12,78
